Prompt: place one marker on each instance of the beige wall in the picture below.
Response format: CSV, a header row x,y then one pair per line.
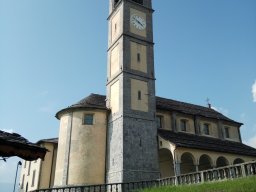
x,y
114,97
48,166
136,86
63,133
38,174
29,168
116,26
115,60
86,158
141,65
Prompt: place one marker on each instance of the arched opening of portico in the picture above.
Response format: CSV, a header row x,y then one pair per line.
x,y
166,163
238,161
222,162
187,163
205,163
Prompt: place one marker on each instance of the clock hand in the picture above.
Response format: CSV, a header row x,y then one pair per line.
x,y
139,22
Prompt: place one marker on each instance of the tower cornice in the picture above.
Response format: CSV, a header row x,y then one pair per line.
x,y
137,4
130,36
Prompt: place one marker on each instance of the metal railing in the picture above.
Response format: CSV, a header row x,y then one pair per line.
x,y
223,173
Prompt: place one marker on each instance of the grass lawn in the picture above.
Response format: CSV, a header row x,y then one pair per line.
x,y
236,185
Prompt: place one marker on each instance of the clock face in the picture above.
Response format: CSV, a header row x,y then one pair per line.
x,y
138,22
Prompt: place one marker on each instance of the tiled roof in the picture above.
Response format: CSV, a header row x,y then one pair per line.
x,y
98,102
206,143
94,101
13,144
191,109
52,140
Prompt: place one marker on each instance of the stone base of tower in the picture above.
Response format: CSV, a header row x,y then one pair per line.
x,y
132,176
133,153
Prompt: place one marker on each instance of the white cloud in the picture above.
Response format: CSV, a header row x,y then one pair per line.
x,y
251,142
254,91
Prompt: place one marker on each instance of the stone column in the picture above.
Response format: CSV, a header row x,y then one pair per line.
x,y
177,172
197,168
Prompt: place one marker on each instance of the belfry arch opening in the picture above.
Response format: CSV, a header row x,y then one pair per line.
x,y
166,163
205,163
187,163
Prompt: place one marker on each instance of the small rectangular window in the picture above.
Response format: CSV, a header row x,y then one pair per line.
x,y
139,95
88,119
29,166
159,122
33,178
183,125
22,182
206,129
138,57
115,27
226,132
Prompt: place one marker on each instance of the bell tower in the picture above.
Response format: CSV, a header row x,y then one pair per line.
x,y
132,133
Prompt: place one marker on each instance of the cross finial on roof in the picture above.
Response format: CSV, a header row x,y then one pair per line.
x,y
208,103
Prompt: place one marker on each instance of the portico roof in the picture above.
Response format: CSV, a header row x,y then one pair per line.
x,y
13,144
206,143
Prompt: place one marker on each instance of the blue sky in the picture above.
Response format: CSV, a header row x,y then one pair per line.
x,y
53,53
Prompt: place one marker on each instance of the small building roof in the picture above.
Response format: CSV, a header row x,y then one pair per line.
x,y
206,143
93,101
96,101
51,140
13,144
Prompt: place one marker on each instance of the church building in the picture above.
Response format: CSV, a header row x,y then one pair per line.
x,y
131,134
